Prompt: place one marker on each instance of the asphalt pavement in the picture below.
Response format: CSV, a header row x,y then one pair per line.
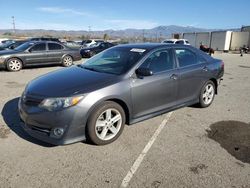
x,y
191,147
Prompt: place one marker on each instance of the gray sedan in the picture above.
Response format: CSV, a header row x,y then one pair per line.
x,y
124,84
38,53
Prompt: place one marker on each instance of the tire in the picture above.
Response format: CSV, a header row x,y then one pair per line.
x,y
101,129
91,54
207,94
14,65
67,61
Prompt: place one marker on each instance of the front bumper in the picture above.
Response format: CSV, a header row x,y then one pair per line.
x,y
40,124
2,65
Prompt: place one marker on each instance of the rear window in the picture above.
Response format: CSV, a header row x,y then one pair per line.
x,y
54,46
186,57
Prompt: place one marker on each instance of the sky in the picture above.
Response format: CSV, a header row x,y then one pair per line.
x,y
122,14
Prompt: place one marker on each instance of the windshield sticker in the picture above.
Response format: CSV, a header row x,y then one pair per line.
x,y
138,50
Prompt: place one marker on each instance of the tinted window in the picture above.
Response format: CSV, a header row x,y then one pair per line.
x,y
169,42
186,57
39,47
179,42
88,41
160,61
54,46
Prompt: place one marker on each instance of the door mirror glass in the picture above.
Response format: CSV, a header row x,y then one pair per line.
x,y
142,71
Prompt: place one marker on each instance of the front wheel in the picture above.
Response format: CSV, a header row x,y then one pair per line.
x,y
207,94
92,53
106,123
14,65
67,61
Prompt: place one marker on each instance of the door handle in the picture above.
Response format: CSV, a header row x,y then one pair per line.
x,y
174,77
205,69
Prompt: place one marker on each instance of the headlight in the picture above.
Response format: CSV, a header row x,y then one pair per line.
x,y
87,51
2,58
52,104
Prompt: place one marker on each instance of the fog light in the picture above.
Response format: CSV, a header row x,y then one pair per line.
x,y
58,132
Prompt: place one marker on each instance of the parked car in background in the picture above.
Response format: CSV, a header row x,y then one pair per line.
x,y
38,53
95,49
44,39
182,41
123,84
169,41
176,41
90,42
72,44
12,45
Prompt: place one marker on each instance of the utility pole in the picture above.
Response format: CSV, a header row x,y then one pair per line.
x,y
89,31
143,35
13,23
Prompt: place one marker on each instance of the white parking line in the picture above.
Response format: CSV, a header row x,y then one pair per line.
x,y
140,158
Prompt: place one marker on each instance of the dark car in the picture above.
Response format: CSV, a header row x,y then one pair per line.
x,y
45,39
124,84
95,49
12,45
38,53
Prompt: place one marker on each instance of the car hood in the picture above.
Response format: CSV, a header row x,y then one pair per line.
x,y
8,52
68,82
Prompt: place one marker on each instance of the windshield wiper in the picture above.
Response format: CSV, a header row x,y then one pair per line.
x,y
89,68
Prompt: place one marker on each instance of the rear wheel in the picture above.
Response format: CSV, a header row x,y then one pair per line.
x,y
67,61
207,94
106,123
14,65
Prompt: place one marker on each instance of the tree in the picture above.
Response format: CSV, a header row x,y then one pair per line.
x,y
7,34
105,37
83,37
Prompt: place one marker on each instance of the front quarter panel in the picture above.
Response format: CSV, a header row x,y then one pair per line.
x,y
119,91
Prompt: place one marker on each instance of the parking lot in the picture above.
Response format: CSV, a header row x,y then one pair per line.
x,y
195,148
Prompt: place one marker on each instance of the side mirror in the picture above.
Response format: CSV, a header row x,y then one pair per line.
x,y
144,72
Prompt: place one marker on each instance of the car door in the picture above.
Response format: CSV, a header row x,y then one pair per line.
x,y
192,71
157,92
55,52
36,54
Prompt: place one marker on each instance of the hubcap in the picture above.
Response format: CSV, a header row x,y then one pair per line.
x,y
15,65
208,94
67,61
108,124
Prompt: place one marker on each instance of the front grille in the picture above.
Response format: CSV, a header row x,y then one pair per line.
x,y
32,101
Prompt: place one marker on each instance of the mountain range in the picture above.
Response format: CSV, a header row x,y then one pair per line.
x,y
160,31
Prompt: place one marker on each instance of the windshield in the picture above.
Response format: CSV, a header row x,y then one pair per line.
x,y
24,46
115,61
7,44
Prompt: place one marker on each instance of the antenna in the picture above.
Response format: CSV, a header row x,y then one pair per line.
x,y
13,23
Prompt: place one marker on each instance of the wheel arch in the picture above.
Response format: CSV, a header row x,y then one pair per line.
x,y
215,84
119,101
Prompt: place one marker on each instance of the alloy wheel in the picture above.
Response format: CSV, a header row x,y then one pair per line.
x,y
208,94
15,65
108,124
67,61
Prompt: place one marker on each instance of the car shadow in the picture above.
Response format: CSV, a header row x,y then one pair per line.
x,y
12,119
